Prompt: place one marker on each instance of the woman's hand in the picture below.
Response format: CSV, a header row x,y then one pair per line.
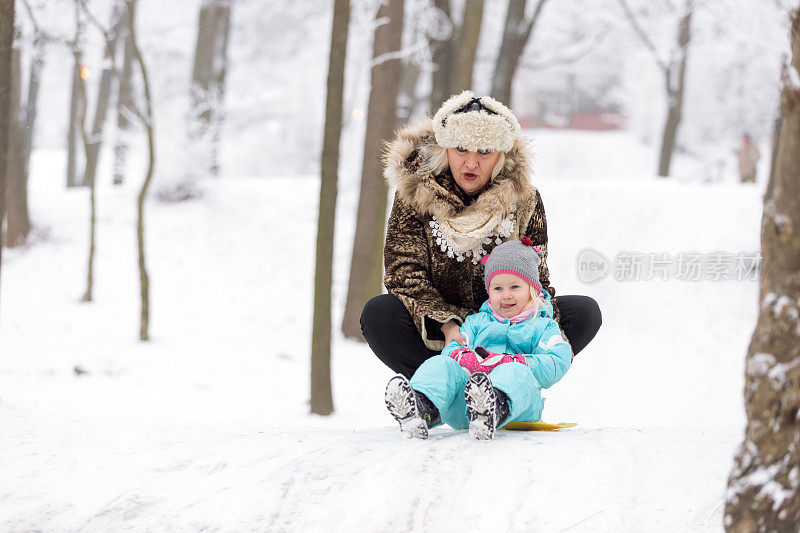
x,y
452,332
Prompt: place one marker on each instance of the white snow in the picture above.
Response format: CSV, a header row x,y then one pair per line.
x,y
765,477
760,364
207,425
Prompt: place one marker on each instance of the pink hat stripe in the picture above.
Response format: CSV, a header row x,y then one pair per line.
x,y
509,271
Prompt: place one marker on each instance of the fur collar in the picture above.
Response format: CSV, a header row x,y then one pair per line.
x,y
418,168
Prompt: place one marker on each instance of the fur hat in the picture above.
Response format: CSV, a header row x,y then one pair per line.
x,y
514,257
465,121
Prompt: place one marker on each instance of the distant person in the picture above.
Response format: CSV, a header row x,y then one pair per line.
x,y
463,187
514,349
749,155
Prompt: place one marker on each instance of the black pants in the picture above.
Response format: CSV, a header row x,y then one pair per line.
x,y
391,334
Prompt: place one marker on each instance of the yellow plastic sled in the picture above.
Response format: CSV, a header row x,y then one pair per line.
x,y
538,426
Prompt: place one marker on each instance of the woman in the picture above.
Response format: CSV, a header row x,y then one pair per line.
x,y
463,187
748,155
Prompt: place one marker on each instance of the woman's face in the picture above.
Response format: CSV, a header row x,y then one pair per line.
x,y
472,170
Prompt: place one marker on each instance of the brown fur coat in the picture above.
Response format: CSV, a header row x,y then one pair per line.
x,y
433,278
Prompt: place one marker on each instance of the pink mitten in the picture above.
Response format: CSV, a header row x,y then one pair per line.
x,y
491,360
469,360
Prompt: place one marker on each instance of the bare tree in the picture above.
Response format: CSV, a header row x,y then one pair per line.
x,y
146,117
674,70
467,46
764,485
321,397
207,92
6,44
21,134
406,98
453,57
366,265
78,71
776,139
123,100
40,39
92,142
516,34
110,37
18,223
442,59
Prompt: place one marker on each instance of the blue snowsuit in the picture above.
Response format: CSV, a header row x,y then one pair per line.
x,y
547,354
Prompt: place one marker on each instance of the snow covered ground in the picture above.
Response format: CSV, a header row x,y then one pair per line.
x,y
207,425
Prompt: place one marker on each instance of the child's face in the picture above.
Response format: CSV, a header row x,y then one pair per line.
x,y
508,294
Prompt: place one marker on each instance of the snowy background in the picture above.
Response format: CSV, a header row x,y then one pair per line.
x,y
207,427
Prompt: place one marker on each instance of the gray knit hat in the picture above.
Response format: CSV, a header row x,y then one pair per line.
x,y
514,257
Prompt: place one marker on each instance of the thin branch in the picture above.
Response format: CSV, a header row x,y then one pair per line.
x,y
36,28
536,13
109,35
95,22
399,54
642,35
39,33
566,59
144,278
670,6
147,116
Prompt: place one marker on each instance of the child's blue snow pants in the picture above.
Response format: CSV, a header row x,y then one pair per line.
x,y
442,380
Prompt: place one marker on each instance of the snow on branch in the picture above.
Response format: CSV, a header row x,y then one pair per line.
x,y
403,53
577,52
642,34
434,23
795,72
792,78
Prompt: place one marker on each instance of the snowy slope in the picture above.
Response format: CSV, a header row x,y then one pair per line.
x,y
110,474
206,426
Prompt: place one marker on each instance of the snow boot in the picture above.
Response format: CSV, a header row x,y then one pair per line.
x,y
413,410
503,409
487,407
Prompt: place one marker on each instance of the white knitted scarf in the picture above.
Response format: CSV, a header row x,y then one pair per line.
x,y
464,236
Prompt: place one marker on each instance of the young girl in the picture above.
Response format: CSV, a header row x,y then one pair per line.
x,y
514,348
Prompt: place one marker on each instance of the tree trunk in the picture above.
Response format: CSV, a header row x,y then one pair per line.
x,y
6,44
764,486
407,99
442,59
467,46
675,83
18,223
32,102
146,117
321,397
515,36
208,86
366,265
773,162
73,133
668,137
123,101
103,98
86,143
24,119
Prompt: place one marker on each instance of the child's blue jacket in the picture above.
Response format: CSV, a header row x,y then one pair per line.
x,y
538,338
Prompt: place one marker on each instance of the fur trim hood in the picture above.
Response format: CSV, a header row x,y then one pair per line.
x,y
417,166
